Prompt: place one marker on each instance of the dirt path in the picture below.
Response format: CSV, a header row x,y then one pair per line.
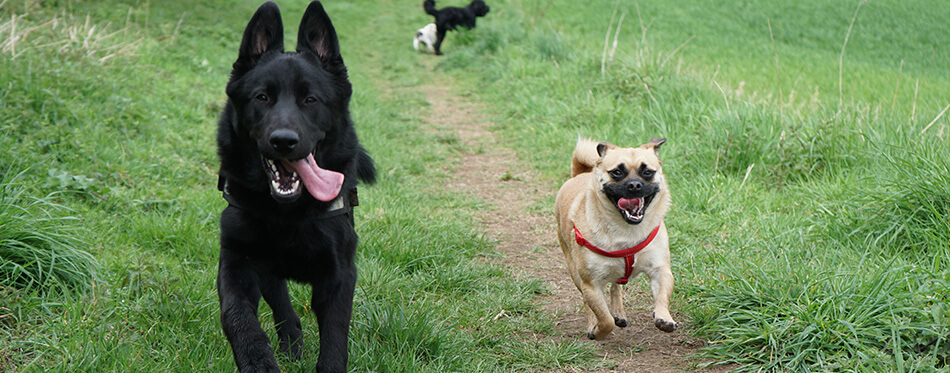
x,y
489,171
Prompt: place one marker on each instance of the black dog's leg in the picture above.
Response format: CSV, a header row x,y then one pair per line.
x,y
440,35
333,307
239,296
289,331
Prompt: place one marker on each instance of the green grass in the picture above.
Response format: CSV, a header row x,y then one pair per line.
x,y
808,233
38,241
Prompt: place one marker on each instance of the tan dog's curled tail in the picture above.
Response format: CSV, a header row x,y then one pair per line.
x,y
586,155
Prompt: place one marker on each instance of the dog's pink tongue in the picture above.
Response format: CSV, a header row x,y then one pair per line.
x,y
322,184
630,204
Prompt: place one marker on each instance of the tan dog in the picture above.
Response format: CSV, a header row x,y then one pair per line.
x,y
614,205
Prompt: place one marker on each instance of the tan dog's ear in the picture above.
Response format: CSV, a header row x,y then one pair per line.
x,y
655,144
603,147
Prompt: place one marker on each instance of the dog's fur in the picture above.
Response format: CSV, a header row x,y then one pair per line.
x,y
426,37
282,108
601,175
448,18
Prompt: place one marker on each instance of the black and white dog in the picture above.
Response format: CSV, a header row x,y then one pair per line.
x,y
450,17
425,37
290,160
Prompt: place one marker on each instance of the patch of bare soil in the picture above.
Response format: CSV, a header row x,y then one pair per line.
x,y
491,172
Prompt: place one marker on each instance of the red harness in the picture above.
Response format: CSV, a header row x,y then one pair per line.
x,y
627,254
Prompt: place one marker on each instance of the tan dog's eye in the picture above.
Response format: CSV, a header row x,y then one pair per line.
x,y
617,173
647,173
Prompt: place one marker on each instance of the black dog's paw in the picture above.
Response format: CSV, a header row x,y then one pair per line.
x,y
293,351
620,322
666,326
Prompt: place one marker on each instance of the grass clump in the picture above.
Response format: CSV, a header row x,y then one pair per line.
x,y
401,338
40,242
907,208
796,319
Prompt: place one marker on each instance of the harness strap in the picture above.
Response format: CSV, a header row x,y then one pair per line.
x,y
627,254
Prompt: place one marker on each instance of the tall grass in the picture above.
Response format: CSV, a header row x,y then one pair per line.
x,y
906,211
798,319
40,241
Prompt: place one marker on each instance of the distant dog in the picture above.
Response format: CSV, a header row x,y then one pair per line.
x,y
290,160
449,17
610,226
426,37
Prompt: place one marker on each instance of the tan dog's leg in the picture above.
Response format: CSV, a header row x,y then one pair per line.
x,y
661,282
591,321
599,321
569,258
616,305
574,275
591,295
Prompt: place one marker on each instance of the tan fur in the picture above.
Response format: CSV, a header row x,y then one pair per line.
x,y
582,203
585,157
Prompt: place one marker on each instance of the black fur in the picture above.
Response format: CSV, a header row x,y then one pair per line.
x,y
266,240
448,18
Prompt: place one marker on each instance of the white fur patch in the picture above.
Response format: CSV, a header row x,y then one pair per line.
x,y
426,37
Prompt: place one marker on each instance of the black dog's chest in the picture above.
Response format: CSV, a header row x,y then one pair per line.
x,y
299,249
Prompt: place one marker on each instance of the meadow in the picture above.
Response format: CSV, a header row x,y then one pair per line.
x,y
807,151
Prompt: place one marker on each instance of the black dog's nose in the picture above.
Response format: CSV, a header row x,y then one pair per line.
x,y
283,140
634,186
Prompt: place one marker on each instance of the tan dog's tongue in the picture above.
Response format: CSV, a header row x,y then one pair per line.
x,y
630,203
322,184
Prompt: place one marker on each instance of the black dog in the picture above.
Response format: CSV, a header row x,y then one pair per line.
x,y
290,160
449,17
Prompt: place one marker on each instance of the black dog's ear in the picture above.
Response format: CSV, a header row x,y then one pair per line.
x,y
264,33
317,35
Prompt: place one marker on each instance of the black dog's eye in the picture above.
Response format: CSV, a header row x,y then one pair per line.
x,y
309,100
262,97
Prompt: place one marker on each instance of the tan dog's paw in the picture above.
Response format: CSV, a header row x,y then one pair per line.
x,y
599,333
665,325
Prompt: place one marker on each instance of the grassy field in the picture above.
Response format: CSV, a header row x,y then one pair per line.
x,y
810,231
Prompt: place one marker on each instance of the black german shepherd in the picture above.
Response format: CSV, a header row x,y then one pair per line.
x,y
290,160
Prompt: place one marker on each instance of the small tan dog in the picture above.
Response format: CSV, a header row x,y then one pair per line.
x,y
610,226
